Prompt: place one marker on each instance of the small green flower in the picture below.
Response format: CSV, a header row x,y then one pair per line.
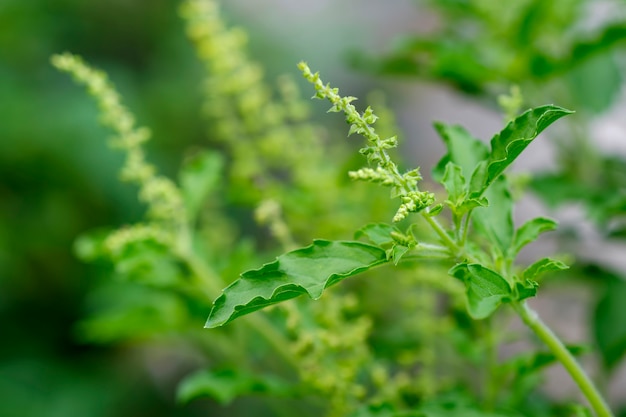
x,y
386,172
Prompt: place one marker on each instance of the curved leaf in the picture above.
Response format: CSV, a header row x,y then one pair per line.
x,y
485,289
307,270
507,145
529,232
541,266
463,149
377,233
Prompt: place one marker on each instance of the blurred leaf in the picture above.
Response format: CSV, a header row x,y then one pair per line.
x,y
541,266
610,36
581,411
129,312
463,149
529,232
529,363
485,289
199,177
609,324
148,262
384,410
595,83
226,385
377,233
459,405
89,247
303,271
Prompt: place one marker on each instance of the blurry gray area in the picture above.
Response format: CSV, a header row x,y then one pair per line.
x,y
320,32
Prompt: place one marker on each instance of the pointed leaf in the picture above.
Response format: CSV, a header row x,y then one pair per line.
x,y
507,145
307,270
478,179
526,290
472,203
542,266
454,182
495,222
529,232
396,253
377,233
463,149
485,289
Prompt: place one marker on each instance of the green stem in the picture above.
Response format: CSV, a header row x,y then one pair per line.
x,y
532,320
455,249
445,238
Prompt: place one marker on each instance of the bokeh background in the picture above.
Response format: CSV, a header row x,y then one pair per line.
x,y
58,178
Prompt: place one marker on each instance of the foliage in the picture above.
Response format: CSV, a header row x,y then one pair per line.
x,y
436,272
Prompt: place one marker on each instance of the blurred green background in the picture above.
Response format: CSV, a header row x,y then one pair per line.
x,y
58,179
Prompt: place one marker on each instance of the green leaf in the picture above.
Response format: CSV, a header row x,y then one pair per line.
x,y
525,290
90,246
458,404
377,233
609,323
384,410
507,145
463,149
307,270
457,188
529,363
541,266
595,83
485,289
226,385
198,178
454,183
129,311
529,232
396,253
495,222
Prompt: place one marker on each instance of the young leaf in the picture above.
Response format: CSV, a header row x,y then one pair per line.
x,y
307,270
529,232
529,363
485,289
542,266
525,290
377,233
396,253
463,149
495,222
454,182
507,145
457,188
